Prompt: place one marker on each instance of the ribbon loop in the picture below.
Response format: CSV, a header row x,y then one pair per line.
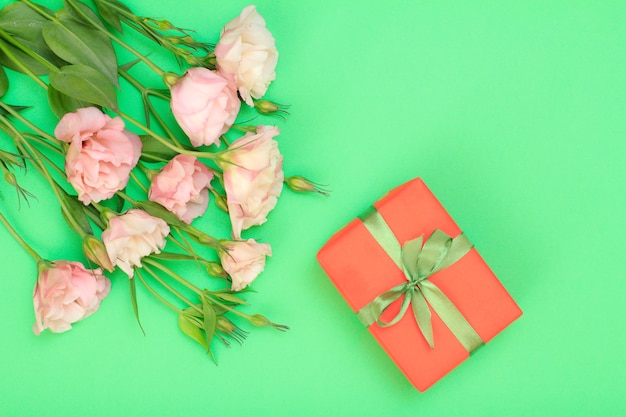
x,y
411,256
418,262
371,313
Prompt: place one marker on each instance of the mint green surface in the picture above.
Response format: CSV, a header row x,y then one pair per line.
x,y
514,113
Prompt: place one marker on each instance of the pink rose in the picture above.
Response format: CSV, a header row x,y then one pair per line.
x,y
205,105
101,153
132,236
247,51
244,261
65,293
253,178
182,187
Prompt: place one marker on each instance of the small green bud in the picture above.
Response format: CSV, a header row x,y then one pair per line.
x,y
107,214
260,320
169,78
10,178
160,24
96,252
269,107
224,325
215,270
302,185
220,201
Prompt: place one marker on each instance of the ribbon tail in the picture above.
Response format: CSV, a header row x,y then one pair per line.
x,y
451,316
422,316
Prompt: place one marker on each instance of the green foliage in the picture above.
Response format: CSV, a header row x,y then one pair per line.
x,y
84,83
22,25
60,103
79,44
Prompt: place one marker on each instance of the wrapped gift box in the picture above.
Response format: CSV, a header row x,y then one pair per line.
x,y
362,270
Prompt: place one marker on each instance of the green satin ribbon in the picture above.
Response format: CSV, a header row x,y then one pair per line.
x,y
419,260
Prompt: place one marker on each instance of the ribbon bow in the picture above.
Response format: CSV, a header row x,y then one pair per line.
x,y
419,260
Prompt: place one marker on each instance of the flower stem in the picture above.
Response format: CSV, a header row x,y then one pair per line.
x,y
166,142
157,295
169,288
9,38
19,239
173,275
30,125
23,68
22,143
138,182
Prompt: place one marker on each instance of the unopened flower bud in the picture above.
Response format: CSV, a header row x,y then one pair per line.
x,y
215,270
160,24
224,325
269,107
302,185
259,320
220,201
169,78
10,178
96,252
107,214
210,61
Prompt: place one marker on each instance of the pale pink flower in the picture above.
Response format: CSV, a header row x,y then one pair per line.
x,y
132,236
65,293
101,153
205,105
244,261
253,178
247,51
182,187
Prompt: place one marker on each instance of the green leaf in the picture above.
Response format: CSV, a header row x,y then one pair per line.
x,y
20,20
190,329
109,15
4,81
80,13
133,299
32,64
127,66
157,210
84,83
77,210
62,103
4,112
210,321
231,298
154,151
25,26
80,44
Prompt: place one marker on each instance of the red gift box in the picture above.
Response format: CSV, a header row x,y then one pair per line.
x,y
362,270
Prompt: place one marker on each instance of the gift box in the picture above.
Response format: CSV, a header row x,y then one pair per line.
x,y
416,282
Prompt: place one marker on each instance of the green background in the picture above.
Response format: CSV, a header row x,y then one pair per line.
x,y
514,113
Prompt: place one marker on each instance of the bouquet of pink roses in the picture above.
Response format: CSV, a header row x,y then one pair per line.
x,y
131,189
